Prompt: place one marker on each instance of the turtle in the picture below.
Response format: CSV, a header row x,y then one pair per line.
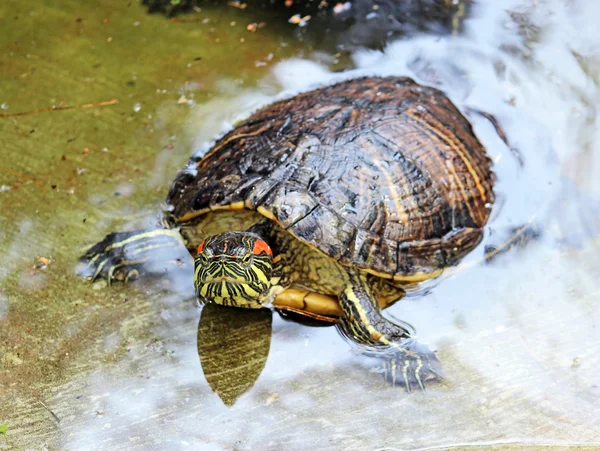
x,y
329,204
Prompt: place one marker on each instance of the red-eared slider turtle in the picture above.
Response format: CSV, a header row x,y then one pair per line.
x,y
349,192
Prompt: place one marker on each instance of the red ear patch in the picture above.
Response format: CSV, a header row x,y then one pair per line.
x,y
260,246
201,246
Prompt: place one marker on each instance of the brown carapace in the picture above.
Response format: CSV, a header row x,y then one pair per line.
x,y
380,173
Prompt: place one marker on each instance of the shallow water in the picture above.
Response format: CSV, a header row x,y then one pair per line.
x,y
88,366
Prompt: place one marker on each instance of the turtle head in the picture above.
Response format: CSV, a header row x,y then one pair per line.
x,y
233,269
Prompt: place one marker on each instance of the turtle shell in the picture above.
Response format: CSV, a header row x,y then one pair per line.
x,y
380,173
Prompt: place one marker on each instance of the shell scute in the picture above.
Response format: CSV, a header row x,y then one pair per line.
x,y
373,251
335,235
290,206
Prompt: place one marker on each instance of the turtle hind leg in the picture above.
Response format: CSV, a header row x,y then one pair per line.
x,y
405,362
123,256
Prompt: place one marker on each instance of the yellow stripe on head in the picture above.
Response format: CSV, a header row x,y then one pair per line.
x,y
234,269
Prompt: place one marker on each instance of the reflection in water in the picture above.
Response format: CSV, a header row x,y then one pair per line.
x,y
233,345
519,337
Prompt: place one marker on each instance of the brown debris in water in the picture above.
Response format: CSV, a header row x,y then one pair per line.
x,y
254,26
21,176
237,4
194,19
296,19
45,261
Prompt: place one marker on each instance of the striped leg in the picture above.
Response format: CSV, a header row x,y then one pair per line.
x,y
124,255
404,361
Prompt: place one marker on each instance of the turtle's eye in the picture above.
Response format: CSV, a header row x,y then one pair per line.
x,y
202,258
247,259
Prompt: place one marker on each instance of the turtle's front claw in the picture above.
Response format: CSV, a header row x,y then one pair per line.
x,y
124,256
114,258
410,364
133,274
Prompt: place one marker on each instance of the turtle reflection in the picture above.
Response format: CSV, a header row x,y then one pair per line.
x,y
233,346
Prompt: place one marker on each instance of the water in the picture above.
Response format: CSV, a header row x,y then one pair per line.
x,y
518,337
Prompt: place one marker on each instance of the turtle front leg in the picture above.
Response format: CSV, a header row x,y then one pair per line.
x,y
404,360
125,255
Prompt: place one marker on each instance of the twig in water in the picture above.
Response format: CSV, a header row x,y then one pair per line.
x,y
48,409
60,108
21,176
